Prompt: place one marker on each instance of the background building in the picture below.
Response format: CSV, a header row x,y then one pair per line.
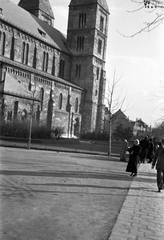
x,y
141,129
128,128
61,80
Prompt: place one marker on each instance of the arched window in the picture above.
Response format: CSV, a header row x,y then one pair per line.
x,y
79,20
82,20
38,115
76,105
29,86
53,65
15,109
99,46
41,97
98,72
60,100
9,115
3,43
45,61
61,68
12,51
78,70
25,53
43,65
101,23
80,43
35,57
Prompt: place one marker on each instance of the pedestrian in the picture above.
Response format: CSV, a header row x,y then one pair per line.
x,y
145,148
155,142
159,162
150,154
133,158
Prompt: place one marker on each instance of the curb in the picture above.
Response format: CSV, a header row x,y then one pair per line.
x,y
58,149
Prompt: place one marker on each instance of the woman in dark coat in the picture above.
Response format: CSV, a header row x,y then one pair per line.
x,y
134,158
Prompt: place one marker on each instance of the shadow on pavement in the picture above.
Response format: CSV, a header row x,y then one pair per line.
x,y
69,174
99,157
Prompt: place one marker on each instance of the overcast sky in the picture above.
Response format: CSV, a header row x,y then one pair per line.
x,y
139,60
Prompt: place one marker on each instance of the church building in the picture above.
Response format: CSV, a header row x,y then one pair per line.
x,y
60,80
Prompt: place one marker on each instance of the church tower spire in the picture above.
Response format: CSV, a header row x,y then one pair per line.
x,y
40,8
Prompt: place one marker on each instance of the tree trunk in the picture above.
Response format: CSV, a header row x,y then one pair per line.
x,y
30,130
110,139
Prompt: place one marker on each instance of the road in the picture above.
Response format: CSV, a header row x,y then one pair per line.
x,y
59,196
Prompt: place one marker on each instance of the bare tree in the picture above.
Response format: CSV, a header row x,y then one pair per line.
x,y
115,100
153,7
158,130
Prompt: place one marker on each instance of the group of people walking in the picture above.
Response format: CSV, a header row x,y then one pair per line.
x,y
149,151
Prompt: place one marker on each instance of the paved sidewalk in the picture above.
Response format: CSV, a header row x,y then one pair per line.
x,y
142,214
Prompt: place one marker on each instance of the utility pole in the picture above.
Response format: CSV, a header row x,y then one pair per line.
x,y
30,126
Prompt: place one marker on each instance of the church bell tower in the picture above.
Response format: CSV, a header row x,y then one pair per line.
x,y
40,8
87,41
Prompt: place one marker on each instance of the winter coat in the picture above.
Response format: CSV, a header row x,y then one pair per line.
x,y
150,154
133,158
159,158
145,148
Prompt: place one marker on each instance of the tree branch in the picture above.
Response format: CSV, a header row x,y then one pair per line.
x,y
149,26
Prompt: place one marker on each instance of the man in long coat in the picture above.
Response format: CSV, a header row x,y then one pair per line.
x,y
159,161
144,143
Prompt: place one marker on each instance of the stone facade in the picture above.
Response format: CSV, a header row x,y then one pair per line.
x,y
61,79
87,41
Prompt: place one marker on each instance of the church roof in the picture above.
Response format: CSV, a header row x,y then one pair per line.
x,y
43,5
33,26
103,3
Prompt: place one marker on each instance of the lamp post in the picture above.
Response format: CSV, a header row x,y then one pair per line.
x,y
30,128
31,117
